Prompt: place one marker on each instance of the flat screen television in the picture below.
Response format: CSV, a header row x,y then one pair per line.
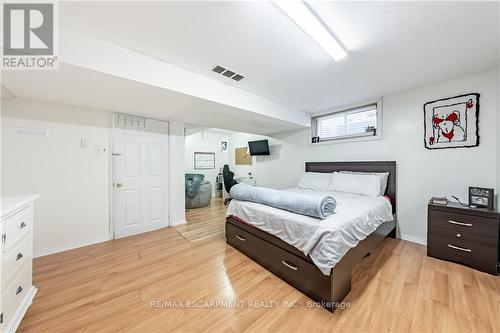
x,y
259,148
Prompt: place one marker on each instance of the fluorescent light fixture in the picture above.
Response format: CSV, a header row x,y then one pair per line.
x,y
304,18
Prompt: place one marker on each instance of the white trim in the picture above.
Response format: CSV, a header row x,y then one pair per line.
x,y
70,246
346,140
413,239
348,109
179,222
13,324
111,128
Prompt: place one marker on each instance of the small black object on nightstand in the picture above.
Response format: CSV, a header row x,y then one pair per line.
x,y
469,236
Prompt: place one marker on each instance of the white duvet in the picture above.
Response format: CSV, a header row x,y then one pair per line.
x,y
325,241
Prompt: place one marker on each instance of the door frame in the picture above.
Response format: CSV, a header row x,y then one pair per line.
x,y
111,170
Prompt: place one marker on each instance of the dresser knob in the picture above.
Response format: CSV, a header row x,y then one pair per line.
x,y
459,236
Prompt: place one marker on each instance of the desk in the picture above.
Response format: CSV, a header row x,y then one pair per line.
x,y
244,180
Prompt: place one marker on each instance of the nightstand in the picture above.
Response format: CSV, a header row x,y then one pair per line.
x,y
469,236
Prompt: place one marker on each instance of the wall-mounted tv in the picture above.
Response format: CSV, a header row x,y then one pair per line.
x,y
259,148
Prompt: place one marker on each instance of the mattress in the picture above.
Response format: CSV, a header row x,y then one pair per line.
x,y
325,241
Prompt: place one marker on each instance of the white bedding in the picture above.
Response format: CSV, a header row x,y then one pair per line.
x,y
325,241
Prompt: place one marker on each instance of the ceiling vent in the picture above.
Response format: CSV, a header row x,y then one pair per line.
x,y
228,73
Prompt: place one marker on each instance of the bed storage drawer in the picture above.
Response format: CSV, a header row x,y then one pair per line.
x,y
243,241
301,274
297,272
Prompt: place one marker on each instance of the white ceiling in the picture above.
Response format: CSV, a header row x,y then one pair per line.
x,y
392,45
91,89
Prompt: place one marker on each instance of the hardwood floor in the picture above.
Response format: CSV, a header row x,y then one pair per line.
x,y
205,222
111,287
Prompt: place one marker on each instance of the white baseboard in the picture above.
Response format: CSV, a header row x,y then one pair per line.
x,y
174,223
70,246
20,311
413,239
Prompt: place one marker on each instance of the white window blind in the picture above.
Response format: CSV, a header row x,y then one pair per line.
x,y
355,122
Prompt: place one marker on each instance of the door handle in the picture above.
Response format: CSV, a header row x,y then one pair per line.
x,y
118,185
19,256
22,225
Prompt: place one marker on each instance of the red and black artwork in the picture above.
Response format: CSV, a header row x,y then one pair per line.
x,y
452,122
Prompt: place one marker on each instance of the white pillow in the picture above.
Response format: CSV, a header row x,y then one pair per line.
x,y
318,181
384,177
368,185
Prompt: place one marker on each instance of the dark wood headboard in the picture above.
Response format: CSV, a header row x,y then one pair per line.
x,y
378,166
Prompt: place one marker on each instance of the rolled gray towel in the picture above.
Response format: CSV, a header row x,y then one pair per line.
x,y
315,205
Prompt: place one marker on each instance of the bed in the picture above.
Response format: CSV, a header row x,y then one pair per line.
x,y
325,279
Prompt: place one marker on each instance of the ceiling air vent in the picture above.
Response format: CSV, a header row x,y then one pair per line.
x,y
219,69
228,73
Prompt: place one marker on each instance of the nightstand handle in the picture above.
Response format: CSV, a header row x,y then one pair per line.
x,y
459,248
460,223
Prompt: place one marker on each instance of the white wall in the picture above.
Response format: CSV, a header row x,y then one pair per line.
x,y
73,182
422,173
206,142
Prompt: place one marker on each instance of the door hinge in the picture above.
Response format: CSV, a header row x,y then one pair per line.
x,y
1,318
4,238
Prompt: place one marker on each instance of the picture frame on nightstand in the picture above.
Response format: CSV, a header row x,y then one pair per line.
x,y
481,197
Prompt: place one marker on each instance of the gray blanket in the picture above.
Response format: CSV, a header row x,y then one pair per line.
x,y
315,205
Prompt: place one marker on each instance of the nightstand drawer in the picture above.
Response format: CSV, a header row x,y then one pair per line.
x,y
469,250
464,223
464,235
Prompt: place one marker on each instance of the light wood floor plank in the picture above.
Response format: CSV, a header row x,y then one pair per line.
x,y
110,287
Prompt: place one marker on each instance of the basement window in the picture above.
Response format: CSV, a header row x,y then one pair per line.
x,y
356,122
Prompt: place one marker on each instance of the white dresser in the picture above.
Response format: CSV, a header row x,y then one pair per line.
x,y
16,270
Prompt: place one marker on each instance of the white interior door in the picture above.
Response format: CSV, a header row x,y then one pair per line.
x,y
140,175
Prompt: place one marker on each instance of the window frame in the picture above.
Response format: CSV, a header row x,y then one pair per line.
x,y
354,108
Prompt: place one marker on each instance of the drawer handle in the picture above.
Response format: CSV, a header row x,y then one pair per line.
x,y
459,248
289,265
460,223
19,290
243,239
19,256
459,236
23,225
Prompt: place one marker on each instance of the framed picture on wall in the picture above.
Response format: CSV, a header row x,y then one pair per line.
x,y
452,122
204,161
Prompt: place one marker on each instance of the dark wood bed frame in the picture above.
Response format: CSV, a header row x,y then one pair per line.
x,y
291,265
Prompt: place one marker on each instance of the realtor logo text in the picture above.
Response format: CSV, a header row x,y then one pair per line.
x,y
29,36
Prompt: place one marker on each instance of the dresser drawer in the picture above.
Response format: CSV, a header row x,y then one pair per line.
x,y
16,291
462,235
464,223
16,257
17,226
468,250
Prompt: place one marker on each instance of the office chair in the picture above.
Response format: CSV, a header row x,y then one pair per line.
x,y
229,181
